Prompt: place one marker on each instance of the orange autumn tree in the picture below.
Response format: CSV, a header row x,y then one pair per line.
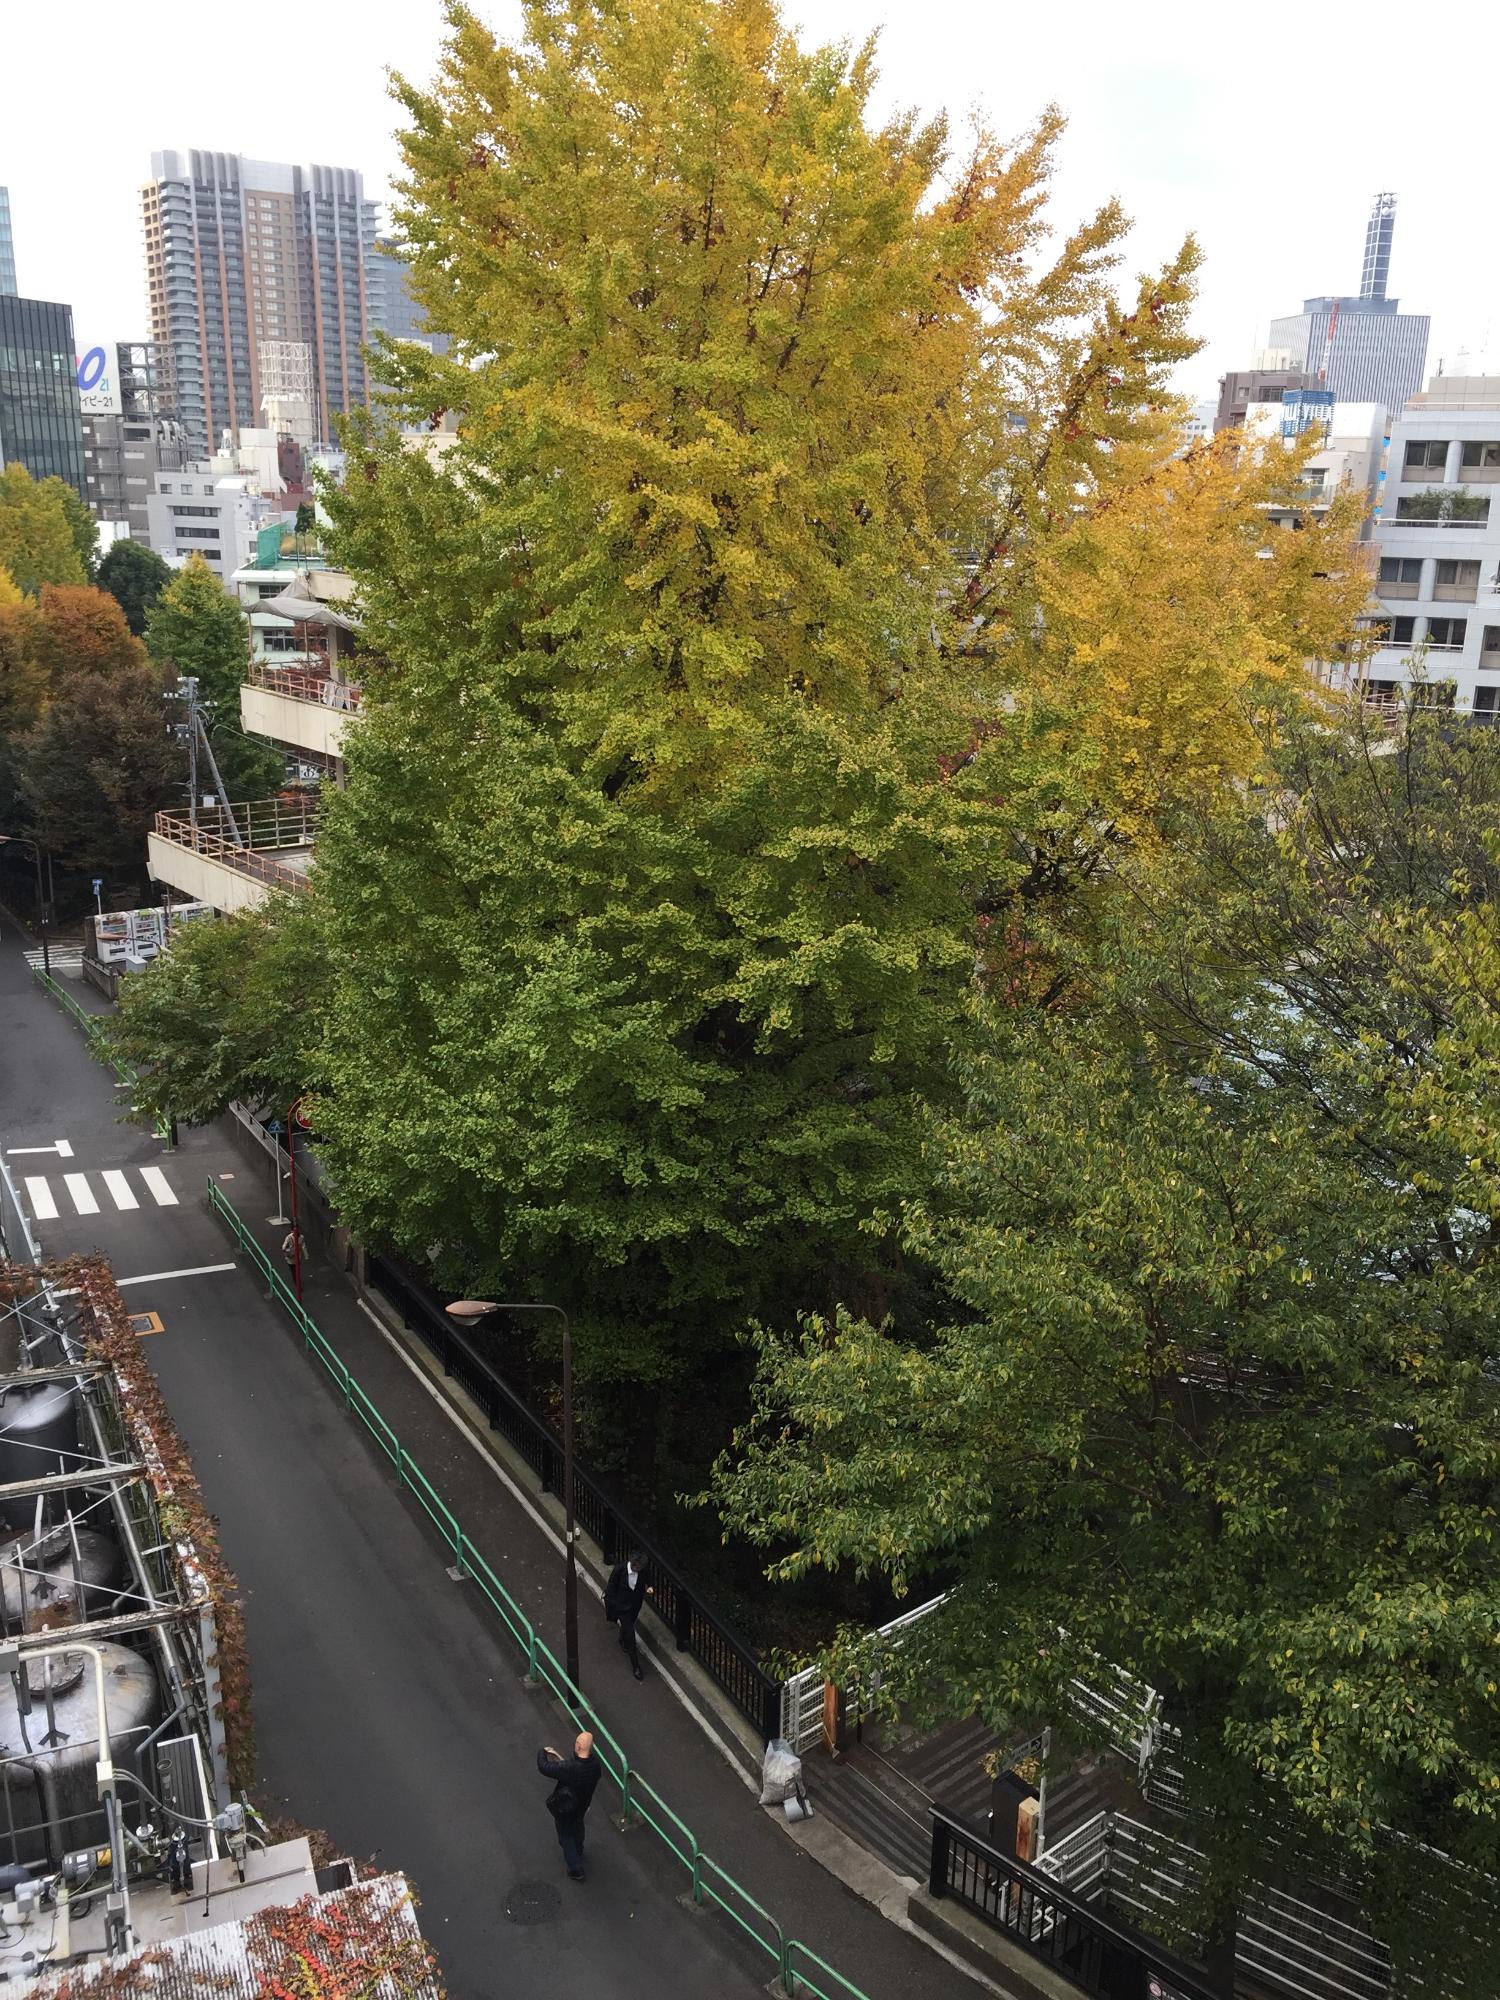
x,y
82,630
23,678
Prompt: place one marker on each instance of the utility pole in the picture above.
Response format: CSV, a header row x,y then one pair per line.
x,y
196,735
190,688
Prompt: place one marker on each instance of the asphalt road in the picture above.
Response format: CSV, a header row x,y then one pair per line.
x,y
386,1711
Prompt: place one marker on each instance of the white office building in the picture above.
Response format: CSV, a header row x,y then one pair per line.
x,y
198,511
1436,618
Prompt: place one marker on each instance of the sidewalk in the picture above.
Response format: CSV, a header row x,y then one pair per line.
x,y
706,1782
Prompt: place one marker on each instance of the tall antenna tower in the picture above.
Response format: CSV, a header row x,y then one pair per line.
x,y
1378,233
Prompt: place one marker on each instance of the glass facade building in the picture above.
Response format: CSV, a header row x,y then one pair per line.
x,y
7,248
1364,350
41,423
392,309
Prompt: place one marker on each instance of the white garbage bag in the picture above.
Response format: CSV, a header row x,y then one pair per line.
x,y
780,1773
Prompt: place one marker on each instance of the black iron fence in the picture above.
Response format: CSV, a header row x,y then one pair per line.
x,y
695,1629
1083,1944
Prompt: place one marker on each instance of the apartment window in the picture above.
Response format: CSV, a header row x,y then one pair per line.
x,y
1401,576
1457,581
1379,690
1453,508
1491,641
1446,635
1391,631
203,513
1426,454
1482,455
208,491
197,534
1484,702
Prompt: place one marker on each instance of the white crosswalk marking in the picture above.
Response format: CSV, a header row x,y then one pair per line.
x,y
117,1182
157,1181
62,957
43,1207
120,1188
82,1193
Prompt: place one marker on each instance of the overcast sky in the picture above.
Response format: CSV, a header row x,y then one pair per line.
x,y
1265,133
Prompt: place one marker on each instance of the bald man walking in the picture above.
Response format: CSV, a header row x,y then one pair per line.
x,y
568,1802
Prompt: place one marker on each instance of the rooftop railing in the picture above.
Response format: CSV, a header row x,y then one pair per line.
x,y
300,684
247,837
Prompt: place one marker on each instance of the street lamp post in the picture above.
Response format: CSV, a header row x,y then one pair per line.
x,y
291,1151
20,840
469,1310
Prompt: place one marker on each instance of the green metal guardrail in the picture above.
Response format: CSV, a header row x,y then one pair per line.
x,y
94,1035
800,1969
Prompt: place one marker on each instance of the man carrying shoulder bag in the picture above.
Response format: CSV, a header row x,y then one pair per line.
x,y
569,1800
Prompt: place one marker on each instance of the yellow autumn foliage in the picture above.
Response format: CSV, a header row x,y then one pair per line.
x,y
1167,612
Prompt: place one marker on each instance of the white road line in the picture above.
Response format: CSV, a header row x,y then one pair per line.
x,y
82,1193
59,1146
160,1277
157,1181
120,1188
43,1207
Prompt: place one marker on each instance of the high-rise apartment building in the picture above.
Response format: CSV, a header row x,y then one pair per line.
x,y
1362,347
257,275
8,285
41,425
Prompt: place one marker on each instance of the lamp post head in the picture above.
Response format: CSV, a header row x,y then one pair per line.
x,y
467,1309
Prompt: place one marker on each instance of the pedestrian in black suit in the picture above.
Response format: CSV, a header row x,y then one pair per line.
x,y
624,1595
568,1801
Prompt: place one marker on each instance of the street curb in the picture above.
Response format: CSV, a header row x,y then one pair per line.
x,y
729,1734
820,1839
854,1867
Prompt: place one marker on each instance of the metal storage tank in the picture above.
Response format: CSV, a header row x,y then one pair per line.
x,y
48,1800
38,1435
41,1583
